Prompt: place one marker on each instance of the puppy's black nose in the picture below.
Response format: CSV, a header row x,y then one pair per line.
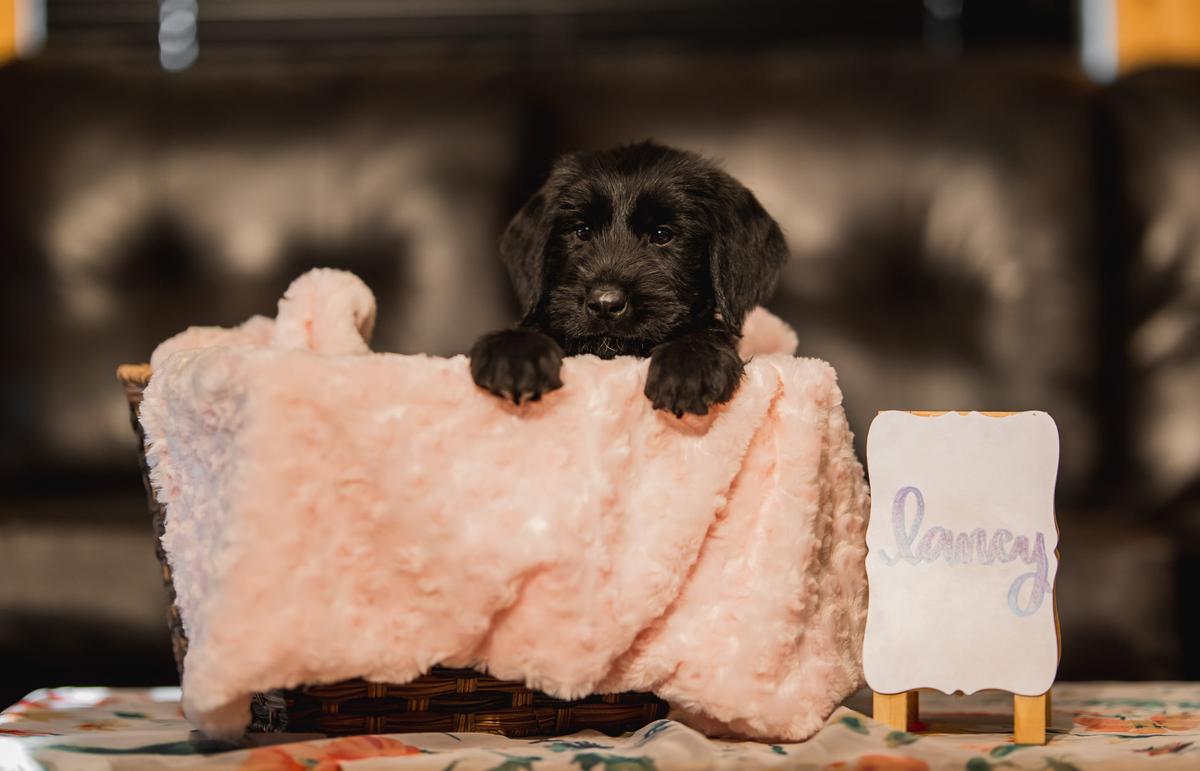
x,y
607,301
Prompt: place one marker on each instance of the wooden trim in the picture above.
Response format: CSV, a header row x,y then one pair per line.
x,y
8,30
1157,32
900,711
1031,714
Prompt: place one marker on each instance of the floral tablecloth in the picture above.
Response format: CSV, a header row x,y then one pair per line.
x,y
1094,726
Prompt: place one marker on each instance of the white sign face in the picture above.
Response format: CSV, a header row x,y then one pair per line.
x,y
961,553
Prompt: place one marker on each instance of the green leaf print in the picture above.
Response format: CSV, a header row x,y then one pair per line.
x,y
564,746
516,762
855,724
654,730
1006,749
899,739
1154,704
590,760
184,747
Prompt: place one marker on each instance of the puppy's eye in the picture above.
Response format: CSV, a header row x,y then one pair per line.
x,y
583,232
661,236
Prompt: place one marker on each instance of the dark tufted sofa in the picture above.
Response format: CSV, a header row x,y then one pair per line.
x,y
991,232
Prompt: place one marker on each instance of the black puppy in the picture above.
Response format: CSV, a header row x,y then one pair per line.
x,y
640,250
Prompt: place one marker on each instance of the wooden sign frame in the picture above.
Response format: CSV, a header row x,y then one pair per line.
x,y
1031,714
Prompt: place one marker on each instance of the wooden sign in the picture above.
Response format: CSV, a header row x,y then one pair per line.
x,y
962,560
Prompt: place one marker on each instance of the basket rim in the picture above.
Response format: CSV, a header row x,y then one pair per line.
x,y
137,375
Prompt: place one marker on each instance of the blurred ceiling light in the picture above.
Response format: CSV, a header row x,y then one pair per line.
x,y
22,28
943,25
177,45
1098,38
1124,35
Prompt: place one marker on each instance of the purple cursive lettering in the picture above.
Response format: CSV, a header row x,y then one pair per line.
x,y
966,548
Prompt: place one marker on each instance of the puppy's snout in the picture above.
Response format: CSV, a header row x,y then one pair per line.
x,y
607,301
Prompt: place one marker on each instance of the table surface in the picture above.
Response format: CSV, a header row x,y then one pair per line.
x,y
1094,726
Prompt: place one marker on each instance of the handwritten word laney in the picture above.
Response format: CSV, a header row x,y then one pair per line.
x,y
966,548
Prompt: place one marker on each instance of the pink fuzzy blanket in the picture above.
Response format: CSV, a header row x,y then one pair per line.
x,y
333,513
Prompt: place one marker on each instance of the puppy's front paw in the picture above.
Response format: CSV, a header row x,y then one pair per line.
x,y
517,364
693,372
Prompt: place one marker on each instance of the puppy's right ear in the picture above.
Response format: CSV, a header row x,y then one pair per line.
x,y
523,251
523,247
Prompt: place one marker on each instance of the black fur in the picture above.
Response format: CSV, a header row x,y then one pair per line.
x,y
691,249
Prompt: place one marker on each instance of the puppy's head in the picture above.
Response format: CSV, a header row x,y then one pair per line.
x,y
622,249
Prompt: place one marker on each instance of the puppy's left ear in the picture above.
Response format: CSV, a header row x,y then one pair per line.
x,y
746,253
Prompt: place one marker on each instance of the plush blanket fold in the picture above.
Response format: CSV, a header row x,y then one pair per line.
x,y
333,513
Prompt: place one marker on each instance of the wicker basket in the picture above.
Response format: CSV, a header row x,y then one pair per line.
x,y
443,700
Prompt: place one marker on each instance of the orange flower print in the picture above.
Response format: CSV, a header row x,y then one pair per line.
x,y
1183,721
880,762
324,756
99,725
22,732
1116,724
1138,726
266,758
1165,749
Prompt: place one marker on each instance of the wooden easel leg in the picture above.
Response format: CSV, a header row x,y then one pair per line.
x,y
897,710
1031,714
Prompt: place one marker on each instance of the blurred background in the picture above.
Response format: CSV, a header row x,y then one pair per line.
x,y
989,205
